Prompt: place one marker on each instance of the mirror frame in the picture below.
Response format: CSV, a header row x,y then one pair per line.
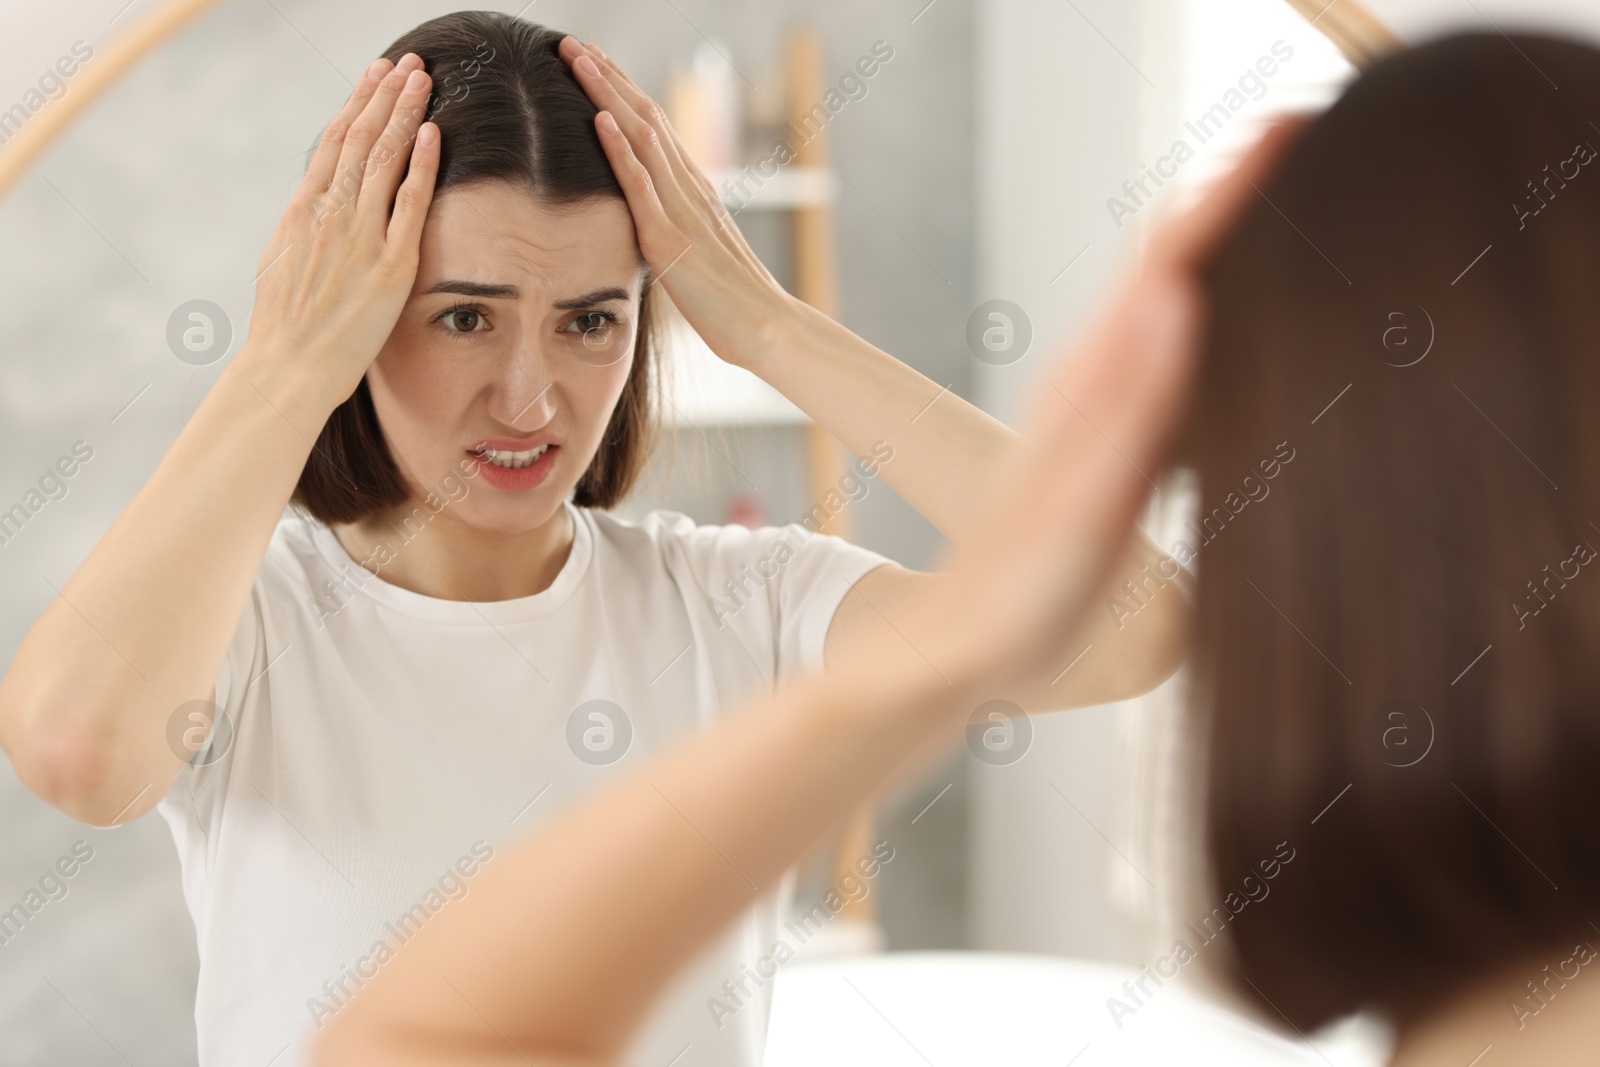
x,y
126,50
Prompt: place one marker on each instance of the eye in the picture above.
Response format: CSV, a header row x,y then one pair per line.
x,y
463,319
595,326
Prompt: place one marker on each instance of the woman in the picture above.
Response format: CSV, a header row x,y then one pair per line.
x,y
1395,664
450,372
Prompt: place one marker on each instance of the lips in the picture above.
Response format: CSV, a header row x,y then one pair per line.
x,y
510,454
513,460
516,464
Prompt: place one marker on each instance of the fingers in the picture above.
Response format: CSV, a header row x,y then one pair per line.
x,y
386,163
646,142
1088,466
1126,382
636,97
320,172
683,167
659,240
642,122
607,85
1190,238
605,62
415,195
1134,374
364,131
1062,510
721,222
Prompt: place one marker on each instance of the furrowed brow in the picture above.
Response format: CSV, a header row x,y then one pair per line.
x,y
478,289
599,296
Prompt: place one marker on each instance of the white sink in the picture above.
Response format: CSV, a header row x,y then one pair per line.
x,y
968,1009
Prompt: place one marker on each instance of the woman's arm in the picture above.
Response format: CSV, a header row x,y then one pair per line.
x,y
143,625
558,954
563,945
947,454
946,451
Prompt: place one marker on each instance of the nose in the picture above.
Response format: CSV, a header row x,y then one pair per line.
x,y
523,393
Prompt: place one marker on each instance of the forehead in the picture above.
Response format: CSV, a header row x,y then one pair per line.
x,y
494,233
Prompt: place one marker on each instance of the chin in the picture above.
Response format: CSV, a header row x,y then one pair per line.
x,y
513,514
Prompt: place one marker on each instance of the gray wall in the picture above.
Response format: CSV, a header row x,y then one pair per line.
x,y
167,191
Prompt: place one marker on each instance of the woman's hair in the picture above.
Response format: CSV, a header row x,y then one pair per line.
x,y
508,110
1397,435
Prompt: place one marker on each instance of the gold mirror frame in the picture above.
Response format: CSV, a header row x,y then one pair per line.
x,y
124,52
1353,30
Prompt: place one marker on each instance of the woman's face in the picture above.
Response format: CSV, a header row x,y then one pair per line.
x,y
518,336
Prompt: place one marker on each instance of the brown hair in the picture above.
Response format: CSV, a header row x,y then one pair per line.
x,y
509,110
1396,666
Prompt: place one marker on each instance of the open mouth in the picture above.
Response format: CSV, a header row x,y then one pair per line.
x,y
511,460
515,464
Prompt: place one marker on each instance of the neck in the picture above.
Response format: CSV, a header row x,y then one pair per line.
x,y
1550,1022
448,559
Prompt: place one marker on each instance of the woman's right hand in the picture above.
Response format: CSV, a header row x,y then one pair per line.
x,y
1101,418
339,268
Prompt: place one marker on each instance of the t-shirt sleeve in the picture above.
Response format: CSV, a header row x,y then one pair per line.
x,y
819,577
239,665
773,588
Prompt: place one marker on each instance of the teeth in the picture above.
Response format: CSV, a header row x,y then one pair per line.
x,y
512,460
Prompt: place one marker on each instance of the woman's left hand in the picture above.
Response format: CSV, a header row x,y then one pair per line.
x,y
685,233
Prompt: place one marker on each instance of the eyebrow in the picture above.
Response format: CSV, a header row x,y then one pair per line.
x,y
511,292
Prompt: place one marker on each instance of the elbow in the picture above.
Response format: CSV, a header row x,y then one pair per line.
x,y
355,1038
1164,643
339,1046
1146,641
61,761
363,1036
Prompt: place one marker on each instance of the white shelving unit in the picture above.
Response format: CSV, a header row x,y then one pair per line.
x,y
791,187
704,390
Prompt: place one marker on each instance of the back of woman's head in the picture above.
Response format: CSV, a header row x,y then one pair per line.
x,y
1397,432
508,110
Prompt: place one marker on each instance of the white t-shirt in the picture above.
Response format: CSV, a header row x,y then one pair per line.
x,y
381,747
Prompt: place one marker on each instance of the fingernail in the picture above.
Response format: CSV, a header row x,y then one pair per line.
x,y
427,134
590,68
607,122
417,80
375,71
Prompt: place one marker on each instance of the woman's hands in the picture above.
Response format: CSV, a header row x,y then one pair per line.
x,y
1096,424
685,232
339,268
559,952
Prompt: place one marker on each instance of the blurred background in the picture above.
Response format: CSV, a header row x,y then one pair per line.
x,y
988,158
